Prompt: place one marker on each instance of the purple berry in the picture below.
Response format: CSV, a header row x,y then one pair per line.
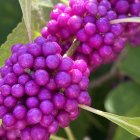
x,y
17,90
63,119
59,101
34,49
63,79
19,112
32,102
5,90
34,116
41,77
31,88
10,101
8,120
44,94
40,63
26,60
53,61
72,91
46,107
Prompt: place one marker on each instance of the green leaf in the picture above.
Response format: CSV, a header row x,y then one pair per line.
x,y
128,105
123,99
19,34
130,64
65,2
26,10
131,124
40,14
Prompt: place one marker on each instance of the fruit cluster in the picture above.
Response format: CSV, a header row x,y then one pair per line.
x,y
89,22
41,86
126,9
40,90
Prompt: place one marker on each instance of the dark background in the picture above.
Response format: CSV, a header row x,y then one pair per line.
x,y
10,15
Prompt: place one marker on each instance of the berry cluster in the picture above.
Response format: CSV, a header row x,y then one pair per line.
x,y
127,9
40,91
88,22
41,86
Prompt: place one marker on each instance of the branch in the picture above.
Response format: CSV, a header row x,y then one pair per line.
x,y
69,133
54,137
101,80
72,48
111,74
123,20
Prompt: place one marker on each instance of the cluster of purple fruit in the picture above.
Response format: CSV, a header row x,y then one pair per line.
x,y
41,86
126,9
89,21
40,91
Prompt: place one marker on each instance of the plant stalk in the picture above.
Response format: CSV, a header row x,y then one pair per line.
x,y
125,20
69,133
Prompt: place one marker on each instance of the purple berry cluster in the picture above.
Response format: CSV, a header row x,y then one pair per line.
x,y
127,9
88,22
40,91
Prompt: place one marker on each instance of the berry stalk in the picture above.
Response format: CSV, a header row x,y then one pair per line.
x,y
69,133
123,20
54,137
72,48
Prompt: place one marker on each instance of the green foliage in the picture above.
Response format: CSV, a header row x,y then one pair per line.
x,y
26,10
19,34
40,14
10,16
130,64
124,100
132,125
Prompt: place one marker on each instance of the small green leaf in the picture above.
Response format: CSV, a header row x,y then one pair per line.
x,y
131,124
130,65
26,10
19,34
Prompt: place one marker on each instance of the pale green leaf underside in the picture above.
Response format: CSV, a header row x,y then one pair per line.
x,y
131,124
26,10
40,15
19,34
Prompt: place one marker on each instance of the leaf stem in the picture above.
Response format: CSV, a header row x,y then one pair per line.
x,y
123,20
72,48
69,133
54,137
92,110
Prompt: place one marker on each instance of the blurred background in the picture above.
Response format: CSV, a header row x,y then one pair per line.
x,y
10,15
118,93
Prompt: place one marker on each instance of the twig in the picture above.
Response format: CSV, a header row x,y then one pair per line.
x,y
111,74
69,133
54,137
123,20
101,80
72,49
